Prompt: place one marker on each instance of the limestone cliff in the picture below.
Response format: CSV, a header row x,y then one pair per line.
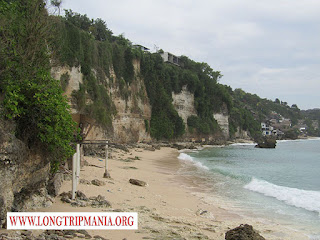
x,y
223,120
183,102
75,78
132,112
24,174
129,124
242,134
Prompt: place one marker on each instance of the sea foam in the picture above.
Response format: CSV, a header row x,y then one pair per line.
x,y
187,158
309,200
243,144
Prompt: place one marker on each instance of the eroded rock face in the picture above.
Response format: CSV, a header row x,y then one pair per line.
x,y
223,121
24,174
75,79
242,134
183,102
129,124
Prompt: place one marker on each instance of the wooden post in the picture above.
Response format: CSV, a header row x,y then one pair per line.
x,y
81,155
74,175
78,163
106,173
106,169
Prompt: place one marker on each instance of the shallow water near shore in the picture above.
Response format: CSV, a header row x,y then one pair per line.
x,y
281,184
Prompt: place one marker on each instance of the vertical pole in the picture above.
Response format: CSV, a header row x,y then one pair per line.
x,y
106,169
81,155
74,176
78,163
106,173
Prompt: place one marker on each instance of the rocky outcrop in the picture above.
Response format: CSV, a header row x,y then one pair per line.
x,y
243,232
241,134
183,102
223,120
49,235
81,200
24,174
266,142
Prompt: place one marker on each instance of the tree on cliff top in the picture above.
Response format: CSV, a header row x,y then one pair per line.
x,y
31,97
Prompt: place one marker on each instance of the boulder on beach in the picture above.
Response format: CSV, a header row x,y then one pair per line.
x,y
137,182
243,232
98,182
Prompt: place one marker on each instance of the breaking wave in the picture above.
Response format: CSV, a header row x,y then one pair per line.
x,y
187,158
309,200
243,144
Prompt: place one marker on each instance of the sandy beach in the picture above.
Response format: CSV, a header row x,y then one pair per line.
x,y
169,207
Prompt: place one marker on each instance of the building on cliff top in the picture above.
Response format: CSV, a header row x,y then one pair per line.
x,y
143,48
170,58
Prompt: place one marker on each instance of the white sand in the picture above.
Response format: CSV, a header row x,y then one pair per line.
x,y
166,208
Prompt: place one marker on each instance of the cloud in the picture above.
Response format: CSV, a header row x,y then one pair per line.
x,y
257,45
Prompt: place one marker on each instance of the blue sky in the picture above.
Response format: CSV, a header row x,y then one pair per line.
x,y
267,47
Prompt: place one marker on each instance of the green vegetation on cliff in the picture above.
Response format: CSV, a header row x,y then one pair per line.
x,y
106,63
263,107
312,121
30,96
162,79
165,121
80,41
88,43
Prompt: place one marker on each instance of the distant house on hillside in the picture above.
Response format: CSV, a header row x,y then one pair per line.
x,y
285,123
170,58
266,129
143,48
303,129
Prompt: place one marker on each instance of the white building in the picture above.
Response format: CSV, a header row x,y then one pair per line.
x,y
268,130
143,48
170,58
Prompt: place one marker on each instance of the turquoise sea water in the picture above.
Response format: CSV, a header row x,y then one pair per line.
x,y
281,183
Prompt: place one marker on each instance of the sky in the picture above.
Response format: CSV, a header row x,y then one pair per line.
x,y
267,47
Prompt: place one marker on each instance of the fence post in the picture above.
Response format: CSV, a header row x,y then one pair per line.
x,y
78,163
74,175
106,173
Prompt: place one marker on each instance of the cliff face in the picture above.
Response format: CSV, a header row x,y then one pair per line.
x,y
73,83
223,121
242,134
129,124
183,102
132,112
24,174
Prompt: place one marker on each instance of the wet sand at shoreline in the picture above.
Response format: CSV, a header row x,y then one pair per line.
x,y
169,207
